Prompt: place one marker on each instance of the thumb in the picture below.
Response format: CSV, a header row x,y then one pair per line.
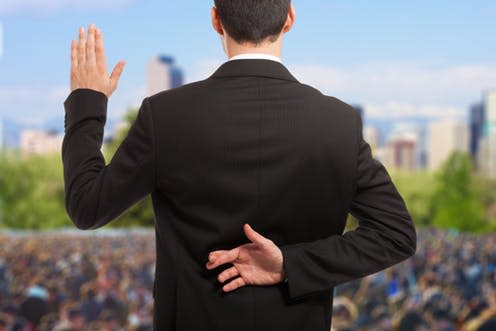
x,y
116,73
254,236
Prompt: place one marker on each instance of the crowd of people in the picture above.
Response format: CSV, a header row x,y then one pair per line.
x,y
77,280
448,285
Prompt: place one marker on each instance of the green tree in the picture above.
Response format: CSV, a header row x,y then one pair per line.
x,y
416,188
31,191
457,201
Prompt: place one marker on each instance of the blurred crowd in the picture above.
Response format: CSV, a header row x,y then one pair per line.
x,y
448,285
75,281
102,281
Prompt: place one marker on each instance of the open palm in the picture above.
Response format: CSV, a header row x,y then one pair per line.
x,y
257,263
88,63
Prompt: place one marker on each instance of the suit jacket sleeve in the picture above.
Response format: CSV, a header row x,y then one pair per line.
x,y
385,235
96,193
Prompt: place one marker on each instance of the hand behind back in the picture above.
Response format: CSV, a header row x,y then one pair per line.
x,y
257,263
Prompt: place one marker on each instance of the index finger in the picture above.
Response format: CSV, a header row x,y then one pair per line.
x,y
223,256
90,45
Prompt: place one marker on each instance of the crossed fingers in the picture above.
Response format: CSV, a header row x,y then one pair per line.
x,y
220,257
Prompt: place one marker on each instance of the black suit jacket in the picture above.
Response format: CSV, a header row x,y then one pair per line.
x,y
248,144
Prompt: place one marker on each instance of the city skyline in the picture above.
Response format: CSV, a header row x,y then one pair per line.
x,y
398,61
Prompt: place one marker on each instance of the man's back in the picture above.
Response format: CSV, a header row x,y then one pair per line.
x,y
249,144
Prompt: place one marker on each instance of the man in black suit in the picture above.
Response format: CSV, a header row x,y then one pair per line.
x,y
249,144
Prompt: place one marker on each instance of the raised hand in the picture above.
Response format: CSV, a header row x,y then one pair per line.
x,y
257,263
88,64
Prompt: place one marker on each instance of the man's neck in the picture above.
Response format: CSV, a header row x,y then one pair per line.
x,y
256,56
254,51
273,49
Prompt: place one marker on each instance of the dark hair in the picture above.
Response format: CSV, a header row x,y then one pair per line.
x,y
253,20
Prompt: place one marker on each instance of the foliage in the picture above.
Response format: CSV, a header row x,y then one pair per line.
x,y
32,191
457,201
416,188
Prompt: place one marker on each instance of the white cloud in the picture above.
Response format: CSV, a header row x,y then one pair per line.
x,y
396,110
401,83
51,6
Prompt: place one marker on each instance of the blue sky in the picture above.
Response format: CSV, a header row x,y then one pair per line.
x,y
399,59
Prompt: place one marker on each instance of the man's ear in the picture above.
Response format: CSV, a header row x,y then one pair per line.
x,y
216,24
290,19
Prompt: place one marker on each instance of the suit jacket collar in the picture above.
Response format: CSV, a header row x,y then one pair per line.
x,y
253,67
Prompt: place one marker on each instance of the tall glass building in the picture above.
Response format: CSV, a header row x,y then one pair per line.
x,y
490,130
477,118
163,74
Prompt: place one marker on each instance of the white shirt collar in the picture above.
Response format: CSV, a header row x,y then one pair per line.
x,y
264,56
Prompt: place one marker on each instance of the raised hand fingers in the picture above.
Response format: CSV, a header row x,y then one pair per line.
x,y
88,66
238,282
90,46
100,51
82,47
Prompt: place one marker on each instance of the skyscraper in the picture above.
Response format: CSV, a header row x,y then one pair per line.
x,y
445,137
163,74
489,131
477,119
401,149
